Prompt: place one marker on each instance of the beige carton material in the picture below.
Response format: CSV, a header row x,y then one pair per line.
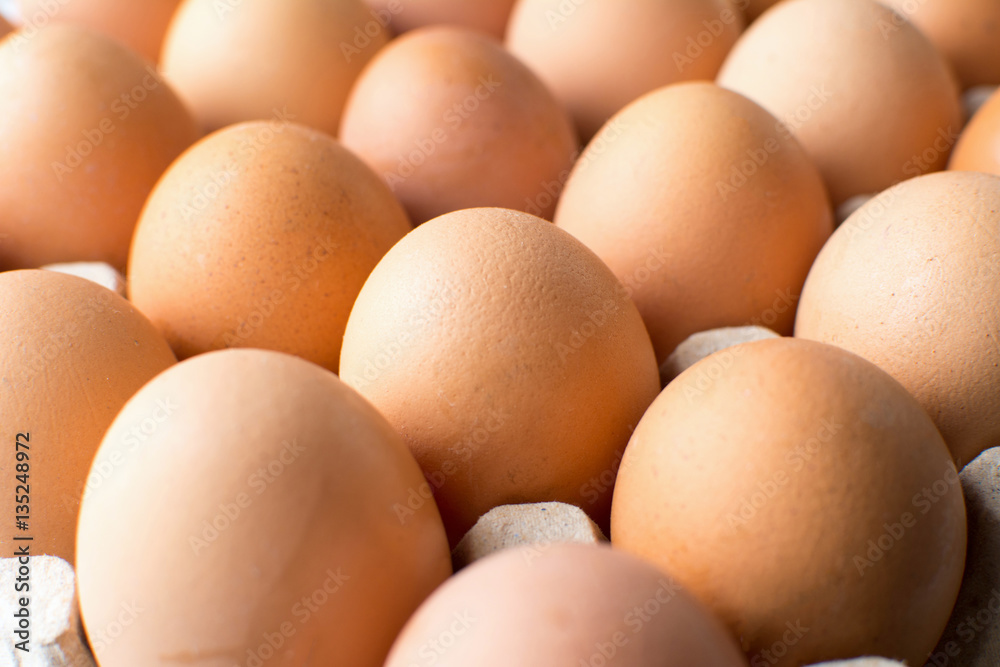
x,y
103,274
529,524
700,345
972,637
56,637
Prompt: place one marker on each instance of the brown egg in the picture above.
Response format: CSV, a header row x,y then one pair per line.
x,y
805,497
261,236
706,209
252,523
5,27
867,95
964,31
294,60
510,359
978,148
566,604
451,120
489,16
87,128
138,24
599,55
73,352
910,283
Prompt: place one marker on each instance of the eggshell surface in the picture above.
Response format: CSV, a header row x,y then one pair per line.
x,y
87,128
865,92
292,60
910,282
706,209
451,120
255,522
566,605
261,236
598,56
71,354
802,495
488,16
508,357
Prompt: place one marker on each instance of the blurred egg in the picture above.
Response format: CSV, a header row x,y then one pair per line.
x,y
71,354
261,235
706,209
566,604
866,93
294,60
254,523
138,24
451,120
805,497
599,55
509,358
966,32
488,16
5,27
910,282
87,128
978,148
754,8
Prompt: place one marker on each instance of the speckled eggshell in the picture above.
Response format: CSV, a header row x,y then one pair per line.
x,y
488,16
910,282
138,24
261,236
704,206
978,149
87,128
255,523
802,495
295,60
71,354
508,357
563,604
451,120
966,32
599,55
867,94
